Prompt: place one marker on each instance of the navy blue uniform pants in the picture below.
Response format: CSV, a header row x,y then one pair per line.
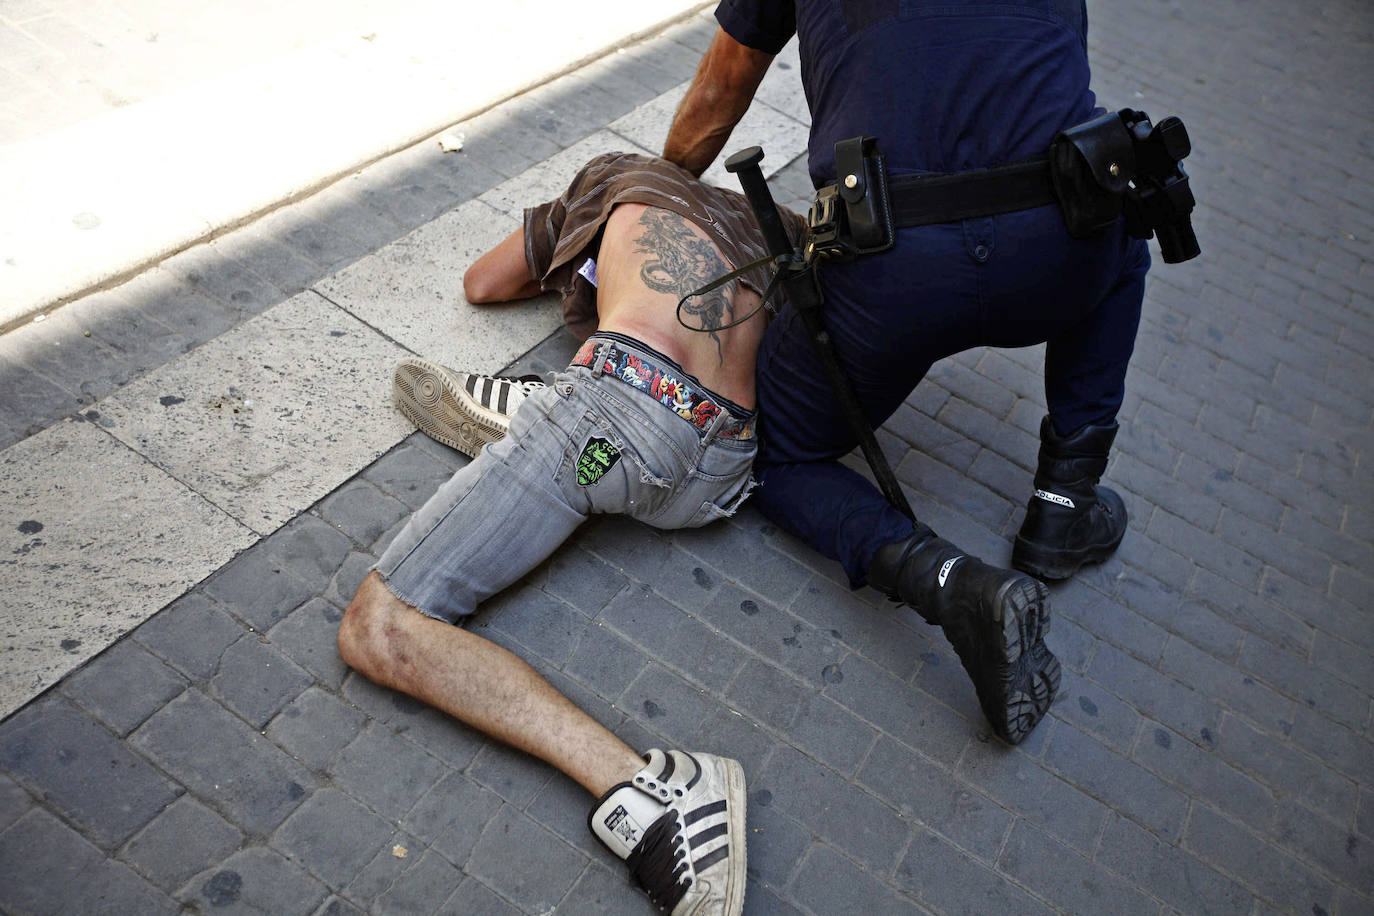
x,y
1012,280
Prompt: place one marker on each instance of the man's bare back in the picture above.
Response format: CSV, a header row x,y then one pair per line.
x,y
650,258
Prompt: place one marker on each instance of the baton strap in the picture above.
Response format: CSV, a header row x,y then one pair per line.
x,y
920,200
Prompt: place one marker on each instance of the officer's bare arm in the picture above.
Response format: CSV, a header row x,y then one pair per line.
x,y
719,95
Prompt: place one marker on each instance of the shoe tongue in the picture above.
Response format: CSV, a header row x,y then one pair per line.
x,y
622,816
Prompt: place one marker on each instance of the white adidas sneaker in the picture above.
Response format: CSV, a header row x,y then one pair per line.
x,y
462,410
679,826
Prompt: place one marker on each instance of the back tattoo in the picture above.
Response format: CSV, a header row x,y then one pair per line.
x,y
682,261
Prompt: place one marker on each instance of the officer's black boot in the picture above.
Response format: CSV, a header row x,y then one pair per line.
x,y
996,619
1070,520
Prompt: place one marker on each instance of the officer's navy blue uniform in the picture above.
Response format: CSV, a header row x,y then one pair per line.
x,y
946,86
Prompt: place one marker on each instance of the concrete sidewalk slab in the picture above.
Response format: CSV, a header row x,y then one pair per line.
x,y
412,291
96,539
266,419
100,198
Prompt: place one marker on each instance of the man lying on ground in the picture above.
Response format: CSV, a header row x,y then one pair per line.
x,y
652,420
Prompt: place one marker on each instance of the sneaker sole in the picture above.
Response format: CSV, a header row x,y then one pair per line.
x,y
1014,672
736,880
427,396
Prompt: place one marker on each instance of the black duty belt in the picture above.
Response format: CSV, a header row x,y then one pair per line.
x,y
920,200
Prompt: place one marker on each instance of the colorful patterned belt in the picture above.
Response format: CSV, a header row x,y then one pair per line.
x,y
669,386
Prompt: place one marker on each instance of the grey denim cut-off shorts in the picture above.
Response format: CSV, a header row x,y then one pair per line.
x,y
590,442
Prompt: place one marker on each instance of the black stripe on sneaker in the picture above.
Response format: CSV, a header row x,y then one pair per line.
x,y
485,397
471,385
505,395
711,858
697,814
696,777
706,836
668,766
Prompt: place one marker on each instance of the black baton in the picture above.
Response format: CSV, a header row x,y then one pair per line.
x,y
799,285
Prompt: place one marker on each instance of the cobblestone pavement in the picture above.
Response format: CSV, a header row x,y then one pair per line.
x,y
1211,747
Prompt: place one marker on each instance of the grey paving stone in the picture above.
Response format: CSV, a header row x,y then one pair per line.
x,y
539,622
280,265
14,801
1308,684
813,723
432,879
1108,620
1047,800
385,772
1066,879
921,789
584,581
409,474
59,350
911,716
1274,621
257,588
475,897
889,635
309,548
452,815
207,269
854,821
776,842
113,889
937,873
1233,687
397,855
193,318
674,637
315,727
828,882
764,627
255,680
190,634
1270,874
32,403
362,511
348,578
1167,871
515,776
1276,764
561,806
123,685
256,880
665,702
646,556
182,841
309,637
755,565
1126,787
335,906
501,860
224,762
600,890
332,836
53,859
83,771
1331,845
436,732
1097,712
1154,694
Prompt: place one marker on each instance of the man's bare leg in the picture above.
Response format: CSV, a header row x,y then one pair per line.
x,y
481,684
502,274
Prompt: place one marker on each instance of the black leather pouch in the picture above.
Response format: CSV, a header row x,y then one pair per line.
x,y
1091,166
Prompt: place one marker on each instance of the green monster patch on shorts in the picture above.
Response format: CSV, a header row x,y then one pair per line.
x,y
598,456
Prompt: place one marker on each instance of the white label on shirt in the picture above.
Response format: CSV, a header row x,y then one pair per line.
x,y
588,270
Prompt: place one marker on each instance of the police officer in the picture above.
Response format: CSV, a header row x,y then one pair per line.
x,y
955,89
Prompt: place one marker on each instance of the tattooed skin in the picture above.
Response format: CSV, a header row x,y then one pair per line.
x,y
683,261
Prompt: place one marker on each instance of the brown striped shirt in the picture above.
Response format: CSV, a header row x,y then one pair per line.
x,y
563,233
